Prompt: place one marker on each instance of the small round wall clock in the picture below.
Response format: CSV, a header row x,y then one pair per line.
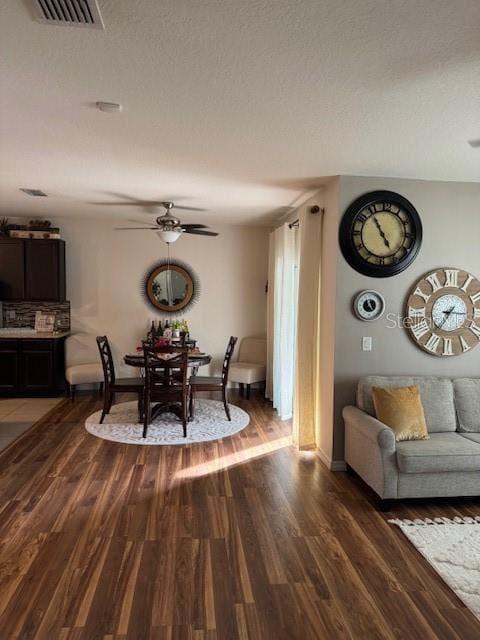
x,y
380,234
369,305
443,312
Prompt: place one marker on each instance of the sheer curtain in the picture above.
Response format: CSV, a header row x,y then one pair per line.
x,y
282,319
293,326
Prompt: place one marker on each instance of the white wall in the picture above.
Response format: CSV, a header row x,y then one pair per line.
x,y
105,269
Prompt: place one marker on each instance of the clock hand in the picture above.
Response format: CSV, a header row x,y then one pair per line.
x,y
387,243
447,314
459,323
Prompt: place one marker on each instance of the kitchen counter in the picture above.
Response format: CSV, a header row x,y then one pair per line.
x,y
29,334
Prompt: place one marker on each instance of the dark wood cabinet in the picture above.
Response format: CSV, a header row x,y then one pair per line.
x,y
32,367
9,378
12,261
45,270
37,370
32,270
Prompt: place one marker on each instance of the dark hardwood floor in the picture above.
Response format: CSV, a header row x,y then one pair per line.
x,y
244,538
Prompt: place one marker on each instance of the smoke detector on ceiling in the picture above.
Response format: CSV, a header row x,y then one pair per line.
x,y
68,13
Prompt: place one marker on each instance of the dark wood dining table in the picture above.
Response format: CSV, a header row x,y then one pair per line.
x,y
195,360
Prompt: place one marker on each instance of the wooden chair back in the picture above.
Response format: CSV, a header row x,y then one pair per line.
x,y
166,369
107,360
227,358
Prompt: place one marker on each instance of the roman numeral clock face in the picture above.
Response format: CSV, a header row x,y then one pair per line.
x,y
443,312
380,234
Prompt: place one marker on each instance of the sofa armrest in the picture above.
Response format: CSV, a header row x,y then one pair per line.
x,y
370,427
370,449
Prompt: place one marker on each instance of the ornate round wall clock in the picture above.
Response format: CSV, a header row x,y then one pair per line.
x,y
380,234
443,312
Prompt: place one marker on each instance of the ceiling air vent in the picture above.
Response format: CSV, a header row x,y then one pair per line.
x,y
69,13
36,193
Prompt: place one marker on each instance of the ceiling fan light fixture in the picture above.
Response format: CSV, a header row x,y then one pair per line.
x,y
170,235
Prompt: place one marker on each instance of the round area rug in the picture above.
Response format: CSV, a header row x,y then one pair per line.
x,y
210,423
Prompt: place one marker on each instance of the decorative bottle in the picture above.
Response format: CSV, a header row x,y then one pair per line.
x,y
151,333
167,332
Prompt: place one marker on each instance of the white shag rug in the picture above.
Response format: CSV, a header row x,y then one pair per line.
x,y
452,547
210,423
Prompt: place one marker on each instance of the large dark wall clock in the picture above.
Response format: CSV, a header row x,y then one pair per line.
x,y
380,234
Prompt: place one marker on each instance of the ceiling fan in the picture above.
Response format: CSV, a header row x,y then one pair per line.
x,y
168,227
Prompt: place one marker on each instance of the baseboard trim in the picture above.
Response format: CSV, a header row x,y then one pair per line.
x,y
327,461
332,465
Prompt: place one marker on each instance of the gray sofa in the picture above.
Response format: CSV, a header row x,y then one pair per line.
x,y
445,465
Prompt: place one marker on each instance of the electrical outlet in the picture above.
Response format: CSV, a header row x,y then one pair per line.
x,y
11,315
367,343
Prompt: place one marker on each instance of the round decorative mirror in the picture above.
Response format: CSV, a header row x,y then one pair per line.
x,y
170,287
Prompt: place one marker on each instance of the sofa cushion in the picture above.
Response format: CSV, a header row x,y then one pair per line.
x,y
473,437
467,402
442,452
436,395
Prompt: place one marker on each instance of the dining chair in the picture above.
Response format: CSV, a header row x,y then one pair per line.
x,y
114,384
165,383
212,383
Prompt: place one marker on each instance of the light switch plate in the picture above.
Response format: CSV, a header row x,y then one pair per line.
x,y
367,343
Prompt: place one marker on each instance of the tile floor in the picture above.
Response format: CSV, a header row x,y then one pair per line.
x,y
19,414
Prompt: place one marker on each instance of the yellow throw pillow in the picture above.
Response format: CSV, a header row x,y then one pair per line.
x,y
401,409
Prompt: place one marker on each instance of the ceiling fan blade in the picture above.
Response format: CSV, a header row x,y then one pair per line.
x,y
137,228
200,232
130,203
194,226
118,204
122,196
123,199
147,223
179,206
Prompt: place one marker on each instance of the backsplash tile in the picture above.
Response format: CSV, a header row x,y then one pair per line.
x,y
25,313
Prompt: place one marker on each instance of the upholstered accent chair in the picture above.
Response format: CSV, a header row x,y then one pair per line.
x,y
82,364
251,364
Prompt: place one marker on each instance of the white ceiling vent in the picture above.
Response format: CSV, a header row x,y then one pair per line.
x,y
69,13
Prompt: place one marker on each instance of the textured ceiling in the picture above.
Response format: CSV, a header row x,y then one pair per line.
x,y
238,106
